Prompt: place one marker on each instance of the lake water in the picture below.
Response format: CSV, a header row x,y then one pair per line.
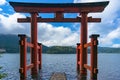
x,y
109,66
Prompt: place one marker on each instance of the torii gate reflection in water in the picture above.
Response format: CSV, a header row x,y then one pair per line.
x,y
59,9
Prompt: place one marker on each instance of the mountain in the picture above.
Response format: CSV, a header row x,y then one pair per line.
x,y
108,50
10,43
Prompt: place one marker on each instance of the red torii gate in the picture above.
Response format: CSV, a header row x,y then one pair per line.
x,y
59,10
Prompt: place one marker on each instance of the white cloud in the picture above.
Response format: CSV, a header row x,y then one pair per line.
x,y
2,2
51,35
9,25
108,40
10,22
47,34
1,9
116,45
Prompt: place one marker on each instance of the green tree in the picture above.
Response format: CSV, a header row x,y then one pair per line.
x,y
2,75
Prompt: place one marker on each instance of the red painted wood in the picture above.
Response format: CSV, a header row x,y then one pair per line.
x,y
30,66
78,57
64,7
83,40
87,67
23,57
94,64
30,45
40,55
34,51
62,19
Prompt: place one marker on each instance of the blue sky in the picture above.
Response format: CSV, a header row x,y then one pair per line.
x,y
64,33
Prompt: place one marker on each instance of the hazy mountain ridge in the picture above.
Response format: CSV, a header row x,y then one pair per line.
x,y
10,43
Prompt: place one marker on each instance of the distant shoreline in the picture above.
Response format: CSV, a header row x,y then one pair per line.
x,y
2,50
53,53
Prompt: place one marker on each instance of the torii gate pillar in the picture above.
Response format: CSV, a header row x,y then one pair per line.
x,y
83,39
34,51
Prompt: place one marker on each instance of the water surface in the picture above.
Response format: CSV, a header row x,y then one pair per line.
x,y
109,66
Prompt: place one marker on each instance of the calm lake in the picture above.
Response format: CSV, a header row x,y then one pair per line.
x,y
109,66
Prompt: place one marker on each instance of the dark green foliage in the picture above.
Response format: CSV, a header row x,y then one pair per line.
x,y
108,50
9,42
2,75
61,50
44,49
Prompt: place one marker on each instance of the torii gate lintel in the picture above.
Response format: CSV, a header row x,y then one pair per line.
x,y
39,19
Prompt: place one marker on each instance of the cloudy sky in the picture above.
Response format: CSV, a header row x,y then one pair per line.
x,y
64,33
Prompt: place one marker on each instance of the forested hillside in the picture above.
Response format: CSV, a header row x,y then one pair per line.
x,y
9,43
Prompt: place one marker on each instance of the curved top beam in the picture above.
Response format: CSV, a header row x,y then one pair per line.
x,y
62,7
